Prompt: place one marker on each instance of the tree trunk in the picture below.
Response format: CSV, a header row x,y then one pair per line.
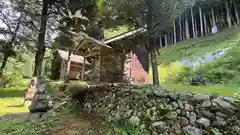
x,y
201,20
193,24
151,42
165,39
205,23
154,68
9,46
41,39
160,41
154,63
4,62
186,27
236,12
228,15
213,18
174,33
180,28
169,37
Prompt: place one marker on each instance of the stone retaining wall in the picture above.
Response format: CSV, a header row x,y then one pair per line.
x,y
167,113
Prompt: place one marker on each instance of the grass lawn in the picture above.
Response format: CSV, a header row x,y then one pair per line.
x,y
11,99
109,33
208,89
169,61
224,39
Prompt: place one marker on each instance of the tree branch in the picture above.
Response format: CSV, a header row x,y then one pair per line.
x,y
6,21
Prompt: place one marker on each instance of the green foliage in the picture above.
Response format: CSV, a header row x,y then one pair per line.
x,y
19,127
109,33
25,127
216,89
135,13
171,72
224,71
13,79
128,129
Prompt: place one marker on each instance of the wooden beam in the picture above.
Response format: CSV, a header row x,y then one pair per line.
x,y
140,30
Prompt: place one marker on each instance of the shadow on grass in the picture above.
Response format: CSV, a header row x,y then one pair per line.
x,y
12,92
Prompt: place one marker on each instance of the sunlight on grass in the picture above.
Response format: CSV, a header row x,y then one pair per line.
x,y
169,71
115,32
169,61
11,99
208,89
12,105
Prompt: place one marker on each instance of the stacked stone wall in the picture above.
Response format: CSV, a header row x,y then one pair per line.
x,y
162,112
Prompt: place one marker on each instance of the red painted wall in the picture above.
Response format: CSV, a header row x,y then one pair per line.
x,y
136,71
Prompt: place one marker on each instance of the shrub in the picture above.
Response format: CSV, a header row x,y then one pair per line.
x,y
13,79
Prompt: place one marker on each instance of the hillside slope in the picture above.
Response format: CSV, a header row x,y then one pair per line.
x,y
223,74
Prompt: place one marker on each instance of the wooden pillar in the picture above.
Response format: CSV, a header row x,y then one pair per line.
x,y
99,68
122,66
83,68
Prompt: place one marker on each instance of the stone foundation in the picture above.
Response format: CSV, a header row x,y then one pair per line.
x,y
166,113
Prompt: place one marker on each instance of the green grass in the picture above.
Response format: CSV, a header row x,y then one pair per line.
x,y
11,99
222,72
224,39
109,33
208,89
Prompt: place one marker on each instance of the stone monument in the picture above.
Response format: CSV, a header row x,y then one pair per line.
x,y
37,98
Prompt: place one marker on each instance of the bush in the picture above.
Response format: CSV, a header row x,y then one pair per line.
x,y
13,79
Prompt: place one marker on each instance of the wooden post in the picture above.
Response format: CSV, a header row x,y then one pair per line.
x,y
66,79
83,67
99,69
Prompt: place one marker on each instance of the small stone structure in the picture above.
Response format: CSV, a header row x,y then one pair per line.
x,y
162,112
37,98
